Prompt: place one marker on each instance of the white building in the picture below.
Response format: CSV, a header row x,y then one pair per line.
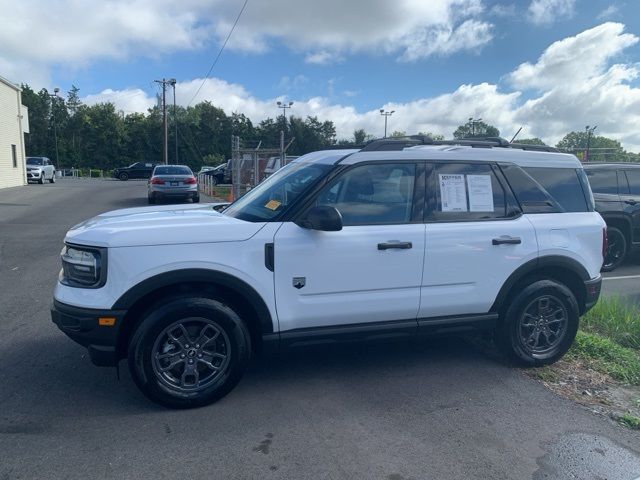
x,y
14,123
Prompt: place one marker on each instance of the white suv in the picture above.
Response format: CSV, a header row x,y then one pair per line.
x,y
394,239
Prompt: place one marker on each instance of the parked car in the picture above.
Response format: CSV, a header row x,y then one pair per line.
x,y
616,189
135,170
40,169
275,163
173,182
342,244
205,168
216,175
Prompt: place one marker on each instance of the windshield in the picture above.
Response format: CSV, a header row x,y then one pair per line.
x,y
34,161
272,197
172,171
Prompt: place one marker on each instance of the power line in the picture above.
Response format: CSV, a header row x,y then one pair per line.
x,y
220,52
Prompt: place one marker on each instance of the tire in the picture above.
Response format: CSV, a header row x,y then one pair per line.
x,y
41,179
124,176
616,249
196,199
214,181
53,178
152,200
170,379
540,302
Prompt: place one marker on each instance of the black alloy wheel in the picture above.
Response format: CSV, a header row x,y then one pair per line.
x,y
616,249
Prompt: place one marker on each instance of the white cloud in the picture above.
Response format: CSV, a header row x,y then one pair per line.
x,y
578,85
546,12
609,12
323,57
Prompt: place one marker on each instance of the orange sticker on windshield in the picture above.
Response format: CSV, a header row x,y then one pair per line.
x,y
273,204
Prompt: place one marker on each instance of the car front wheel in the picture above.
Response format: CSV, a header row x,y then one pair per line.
x,y
123,176
539,325
189,352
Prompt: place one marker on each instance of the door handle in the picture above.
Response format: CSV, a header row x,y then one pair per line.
x,y
399,245
630,202
506,240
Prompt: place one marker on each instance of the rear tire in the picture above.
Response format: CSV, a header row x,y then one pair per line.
x,y
616,249
196,199
539,325
189,352
152,200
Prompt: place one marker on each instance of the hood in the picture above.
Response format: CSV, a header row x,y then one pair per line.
x,y
164,225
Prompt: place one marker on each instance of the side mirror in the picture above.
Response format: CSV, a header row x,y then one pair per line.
x,y
323,218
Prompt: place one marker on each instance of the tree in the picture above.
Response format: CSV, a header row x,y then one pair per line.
x,y
359,136
434,136
601,149
530,141
398,134
476,129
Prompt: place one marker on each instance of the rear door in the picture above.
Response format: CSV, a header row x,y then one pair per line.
x,y
631,201
368,272
476,237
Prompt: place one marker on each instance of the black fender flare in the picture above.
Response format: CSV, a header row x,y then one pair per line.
x,y
187,275
534,265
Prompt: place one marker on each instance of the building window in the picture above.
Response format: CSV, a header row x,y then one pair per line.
x,y
15,156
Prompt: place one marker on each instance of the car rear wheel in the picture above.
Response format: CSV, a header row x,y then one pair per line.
x,y
189,352
123,176
616,249
152,199
196,199
539,325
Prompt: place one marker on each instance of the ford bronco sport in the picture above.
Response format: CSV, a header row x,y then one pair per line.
x,y
402,237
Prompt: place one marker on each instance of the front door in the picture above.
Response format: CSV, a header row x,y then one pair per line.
x,y
370,271
631,201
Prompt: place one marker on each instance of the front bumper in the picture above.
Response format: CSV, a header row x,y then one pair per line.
x,y
593,288
95,329
34,174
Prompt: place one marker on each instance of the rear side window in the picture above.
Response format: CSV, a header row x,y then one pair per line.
x,y
633,176
603,181
564,186
467,192
532,196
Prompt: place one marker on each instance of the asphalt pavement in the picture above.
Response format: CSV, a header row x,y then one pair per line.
x,y
435,409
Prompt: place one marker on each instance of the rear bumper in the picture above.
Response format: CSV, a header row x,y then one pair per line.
x,y
84,327
593,288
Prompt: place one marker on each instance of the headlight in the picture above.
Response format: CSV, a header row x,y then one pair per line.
x,y
83,267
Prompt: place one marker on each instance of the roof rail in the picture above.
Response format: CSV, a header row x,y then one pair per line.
x,y
400,143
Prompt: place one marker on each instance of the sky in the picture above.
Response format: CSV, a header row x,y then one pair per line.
x,y
550,66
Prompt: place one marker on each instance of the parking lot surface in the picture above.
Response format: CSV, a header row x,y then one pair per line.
x,y
407,410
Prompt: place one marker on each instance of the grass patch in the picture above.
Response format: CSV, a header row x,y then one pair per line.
x,y
630,421
606,356
614,319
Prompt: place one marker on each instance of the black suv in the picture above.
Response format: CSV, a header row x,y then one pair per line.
x,y
137,170
616,190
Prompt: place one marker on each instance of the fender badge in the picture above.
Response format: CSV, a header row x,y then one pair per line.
x,y
299,282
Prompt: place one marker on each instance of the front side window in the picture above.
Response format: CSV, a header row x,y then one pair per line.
x,y
467,192
277,193
372,194
603,181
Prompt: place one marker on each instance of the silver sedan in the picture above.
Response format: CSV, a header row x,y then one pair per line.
x,y
173,182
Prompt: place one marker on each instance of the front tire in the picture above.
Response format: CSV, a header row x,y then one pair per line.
x,y
123,176
53,178
539,325
616,249
41,179
189,352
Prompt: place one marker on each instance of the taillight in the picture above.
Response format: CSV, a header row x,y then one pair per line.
x,y
604,242
190,181
157,181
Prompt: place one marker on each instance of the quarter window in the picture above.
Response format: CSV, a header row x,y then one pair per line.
x,y
467,192
380,194
564,186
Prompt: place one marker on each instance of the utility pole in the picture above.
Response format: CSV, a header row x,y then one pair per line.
x,y
386,116
590,131
172,82
165,146
472,122
283,106
55,127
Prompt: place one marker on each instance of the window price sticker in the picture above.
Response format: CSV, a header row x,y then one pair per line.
x,y
480,193
453,195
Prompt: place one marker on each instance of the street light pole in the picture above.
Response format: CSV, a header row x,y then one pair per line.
x,y
55,126
590,131
386,116
283,106
472,122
